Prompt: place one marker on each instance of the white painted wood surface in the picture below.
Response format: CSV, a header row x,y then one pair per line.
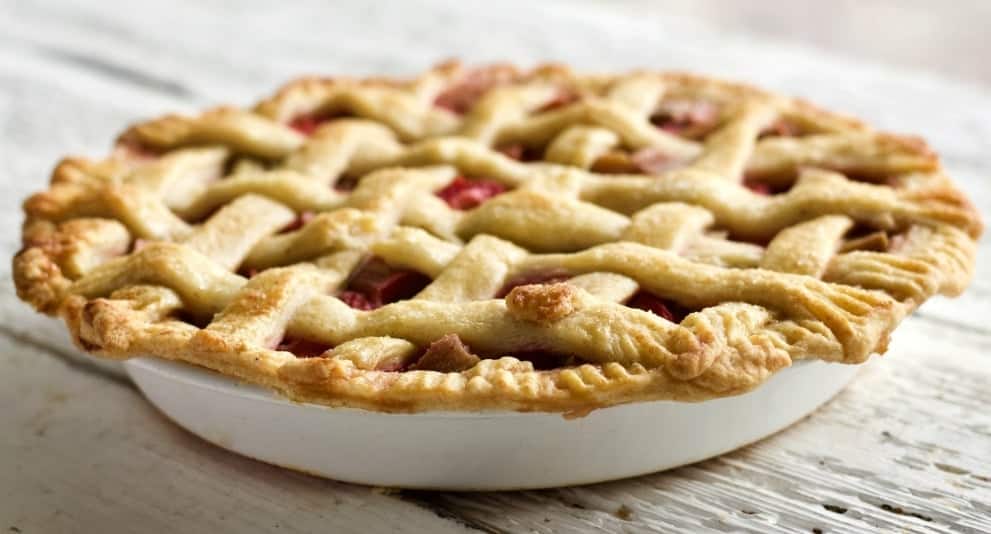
x,y
907,447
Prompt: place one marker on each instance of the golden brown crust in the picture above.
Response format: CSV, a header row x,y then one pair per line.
x,y
140,252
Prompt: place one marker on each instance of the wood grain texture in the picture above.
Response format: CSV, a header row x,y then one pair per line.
x,y
907,447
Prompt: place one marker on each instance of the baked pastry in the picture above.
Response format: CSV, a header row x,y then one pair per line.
x,y
494,238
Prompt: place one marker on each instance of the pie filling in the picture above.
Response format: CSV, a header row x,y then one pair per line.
x,y
462,95
562,98
644,300
765,188
686,118
308,123
346,183
648,160
783,128
376,284
302,348
301,220
451,354
465,194
521,152
856,291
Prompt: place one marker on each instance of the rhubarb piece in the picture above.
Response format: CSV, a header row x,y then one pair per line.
x,y
447,355
376,284
461,96
301,220
686,118
303,348
465,194
644,300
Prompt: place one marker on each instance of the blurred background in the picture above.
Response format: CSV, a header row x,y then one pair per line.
x,y
945,36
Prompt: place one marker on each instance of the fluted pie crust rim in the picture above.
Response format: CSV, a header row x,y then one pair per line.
x,y
140,252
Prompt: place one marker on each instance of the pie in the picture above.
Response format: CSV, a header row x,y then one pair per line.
x,y
495,238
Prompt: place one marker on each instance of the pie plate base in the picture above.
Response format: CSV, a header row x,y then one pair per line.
x,y
478,450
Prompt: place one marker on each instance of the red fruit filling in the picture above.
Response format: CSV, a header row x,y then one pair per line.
x,y
132,147
300,221
646,301
465,194
686,118
307,124
561,99
521,152
763,188
346,183
139,244
446,355
782,128
462,95
653,161
303,348
376,284
648,160
550,276
249,273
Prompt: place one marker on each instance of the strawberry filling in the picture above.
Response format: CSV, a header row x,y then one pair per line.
x,y
549,276
302,348
465,194
650,302
376,284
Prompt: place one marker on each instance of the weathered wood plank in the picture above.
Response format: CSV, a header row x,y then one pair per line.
x,y
905,448
84,454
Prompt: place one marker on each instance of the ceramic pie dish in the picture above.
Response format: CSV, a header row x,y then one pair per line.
x,y
491,450
493,240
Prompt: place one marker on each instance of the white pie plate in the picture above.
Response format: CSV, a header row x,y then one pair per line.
x,y
481,450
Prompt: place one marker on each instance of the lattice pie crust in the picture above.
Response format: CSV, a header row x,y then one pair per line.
x,y
493,238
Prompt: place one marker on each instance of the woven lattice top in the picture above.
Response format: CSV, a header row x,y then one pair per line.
x,y
491,238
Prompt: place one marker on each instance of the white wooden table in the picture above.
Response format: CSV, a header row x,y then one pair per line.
x,y
907,447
